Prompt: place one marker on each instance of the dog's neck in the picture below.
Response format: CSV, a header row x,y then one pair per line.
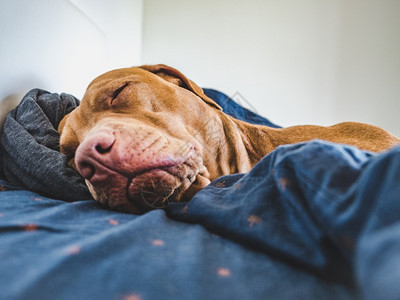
x,y
240,145
258,140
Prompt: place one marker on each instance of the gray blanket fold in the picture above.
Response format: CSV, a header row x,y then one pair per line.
x,y
30,147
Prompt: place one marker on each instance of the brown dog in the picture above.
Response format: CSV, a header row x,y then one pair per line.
x,y
145,136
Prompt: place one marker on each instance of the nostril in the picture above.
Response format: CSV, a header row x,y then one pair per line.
x,y
103,143
94,154
103,149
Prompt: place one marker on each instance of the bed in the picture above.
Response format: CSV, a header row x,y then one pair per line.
x,y
314,220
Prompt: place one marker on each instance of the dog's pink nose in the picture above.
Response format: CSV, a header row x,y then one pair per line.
x,y
93,154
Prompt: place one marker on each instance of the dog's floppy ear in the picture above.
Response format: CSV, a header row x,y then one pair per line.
x,y
174,76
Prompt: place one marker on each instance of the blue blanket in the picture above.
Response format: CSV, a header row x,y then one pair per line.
x,y
314,220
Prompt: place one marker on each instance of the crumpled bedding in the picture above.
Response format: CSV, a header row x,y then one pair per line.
x,y
328,208
30,147
314,220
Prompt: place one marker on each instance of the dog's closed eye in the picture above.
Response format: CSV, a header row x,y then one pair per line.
x,y
118,91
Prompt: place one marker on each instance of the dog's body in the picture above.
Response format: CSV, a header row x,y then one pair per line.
x,y
145,136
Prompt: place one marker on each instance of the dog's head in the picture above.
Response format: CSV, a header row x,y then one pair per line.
x,y
139,137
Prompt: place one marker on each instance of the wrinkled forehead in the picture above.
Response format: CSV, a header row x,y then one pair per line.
x,y
76,121
145,91
133,74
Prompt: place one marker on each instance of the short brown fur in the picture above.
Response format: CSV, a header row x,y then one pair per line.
x,y
163,99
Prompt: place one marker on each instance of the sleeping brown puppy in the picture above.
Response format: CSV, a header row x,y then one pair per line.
x,y
145,136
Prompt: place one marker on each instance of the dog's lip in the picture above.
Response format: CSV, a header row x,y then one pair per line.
x,y
146,200
136,203
171,166
163,166
173,176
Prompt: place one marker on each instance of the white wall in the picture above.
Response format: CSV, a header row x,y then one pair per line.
x,y
296,62
61,45
368,54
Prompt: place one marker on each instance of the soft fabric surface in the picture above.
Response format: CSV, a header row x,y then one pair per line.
x,y
331,209
30,142
315,221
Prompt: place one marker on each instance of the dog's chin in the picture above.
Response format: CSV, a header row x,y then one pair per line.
x,y
157,188
150,190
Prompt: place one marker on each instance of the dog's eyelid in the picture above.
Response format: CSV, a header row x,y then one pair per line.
x,y
118,91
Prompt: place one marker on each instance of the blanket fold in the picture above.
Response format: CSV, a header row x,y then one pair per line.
x,y
30,147
329,208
